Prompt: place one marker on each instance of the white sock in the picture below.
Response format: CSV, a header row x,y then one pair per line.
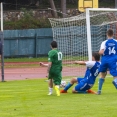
x,y
50,90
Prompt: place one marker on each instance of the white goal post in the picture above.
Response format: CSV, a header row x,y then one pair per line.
x,y
2,41
88,10
79,36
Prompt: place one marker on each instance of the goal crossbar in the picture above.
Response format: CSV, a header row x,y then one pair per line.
x,y
100,9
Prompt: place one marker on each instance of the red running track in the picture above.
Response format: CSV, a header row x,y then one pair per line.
x,y
31,73
35,73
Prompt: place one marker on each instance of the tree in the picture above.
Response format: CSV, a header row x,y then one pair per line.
x,y
63,7
53,9
115,3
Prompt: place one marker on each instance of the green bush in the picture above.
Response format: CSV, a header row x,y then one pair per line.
x,y
27,22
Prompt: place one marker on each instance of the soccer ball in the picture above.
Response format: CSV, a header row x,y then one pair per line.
x,y
63,84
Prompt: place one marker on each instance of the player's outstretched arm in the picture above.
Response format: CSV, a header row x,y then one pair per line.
x,y
43,65
80,62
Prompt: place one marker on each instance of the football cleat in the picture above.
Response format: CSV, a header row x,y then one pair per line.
x,y
49,93
98,92
63,91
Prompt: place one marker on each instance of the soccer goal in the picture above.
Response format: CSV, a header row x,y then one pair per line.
x,y
80,35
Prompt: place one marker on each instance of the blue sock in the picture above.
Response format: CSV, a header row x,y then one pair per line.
x,y
115,82
101,81
67,86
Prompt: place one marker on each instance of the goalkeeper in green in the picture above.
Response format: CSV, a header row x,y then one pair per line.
x,y
54,68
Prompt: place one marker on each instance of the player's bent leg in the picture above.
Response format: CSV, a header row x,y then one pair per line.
x,y
73,80
66,87
74,91
81,87
77,89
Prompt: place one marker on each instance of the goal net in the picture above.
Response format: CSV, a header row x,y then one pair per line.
x,y
80,35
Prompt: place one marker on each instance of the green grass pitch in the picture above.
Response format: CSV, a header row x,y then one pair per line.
x,y
28,98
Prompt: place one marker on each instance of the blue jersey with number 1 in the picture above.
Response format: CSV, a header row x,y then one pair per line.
x,y
90,76
92,71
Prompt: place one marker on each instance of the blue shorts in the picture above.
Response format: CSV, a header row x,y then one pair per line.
x,y
109,63
82,85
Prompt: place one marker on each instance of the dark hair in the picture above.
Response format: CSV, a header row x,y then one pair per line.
x,y
110,32
54,44
96,55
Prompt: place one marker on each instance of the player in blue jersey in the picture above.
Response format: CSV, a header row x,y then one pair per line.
x,y
86,83
108,50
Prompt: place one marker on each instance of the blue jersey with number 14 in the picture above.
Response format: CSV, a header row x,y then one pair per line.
x,y
108,60
110,47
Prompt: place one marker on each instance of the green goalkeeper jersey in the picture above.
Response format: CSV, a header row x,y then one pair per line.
x,y
55,56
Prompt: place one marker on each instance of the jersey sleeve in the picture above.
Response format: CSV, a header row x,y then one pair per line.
x,y
102,47
90,64
115,40
50,56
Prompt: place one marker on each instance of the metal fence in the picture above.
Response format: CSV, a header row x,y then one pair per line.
x,y
36,42
27,43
